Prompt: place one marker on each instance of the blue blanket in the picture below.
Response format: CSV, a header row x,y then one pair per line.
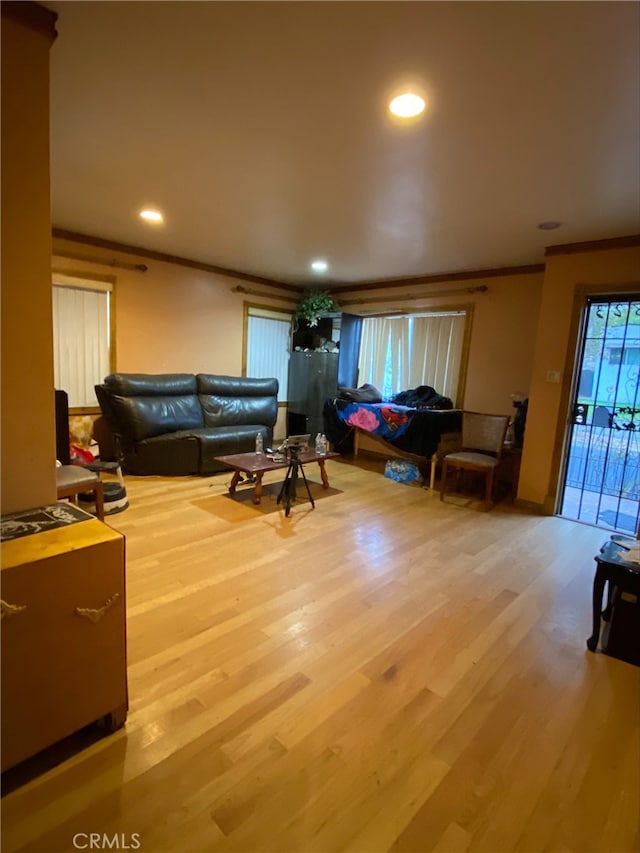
x,y
417,431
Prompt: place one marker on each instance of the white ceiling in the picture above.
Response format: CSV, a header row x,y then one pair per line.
x,y
261,130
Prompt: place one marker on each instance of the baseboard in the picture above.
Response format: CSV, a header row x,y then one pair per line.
x,y
532,506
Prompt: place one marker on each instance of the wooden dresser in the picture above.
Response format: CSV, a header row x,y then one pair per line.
x,y
63,635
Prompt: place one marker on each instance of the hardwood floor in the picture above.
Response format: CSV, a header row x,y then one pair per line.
x,y
384,673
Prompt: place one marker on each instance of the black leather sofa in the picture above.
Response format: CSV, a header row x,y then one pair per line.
x,y
175,423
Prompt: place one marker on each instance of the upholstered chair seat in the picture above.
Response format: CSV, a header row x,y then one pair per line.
x,y
71,480
482,443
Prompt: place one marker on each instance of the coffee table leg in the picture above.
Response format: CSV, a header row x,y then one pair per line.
x,y
598,589
257,491
323,474
234,482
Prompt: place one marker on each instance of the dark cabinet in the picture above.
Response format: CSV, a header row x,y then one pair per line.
x,y
313,378
315,374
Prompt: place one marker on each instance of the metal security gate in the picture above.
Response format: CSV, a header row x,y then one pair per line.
x,y
601,483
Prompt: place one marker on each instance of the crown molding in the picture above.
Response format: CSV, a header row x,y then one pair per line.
x,y
32,15
111,245
594,245
375,284
463,275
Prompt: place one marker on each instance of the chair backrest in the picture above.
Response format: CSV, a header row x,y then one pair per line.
x,y
602,417
63,450
485,433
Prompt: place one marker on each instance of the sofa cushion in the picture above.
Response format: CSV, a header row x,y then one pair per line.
x,y
238,411
236,386
151,384
168,455
145,417
237,401
221,441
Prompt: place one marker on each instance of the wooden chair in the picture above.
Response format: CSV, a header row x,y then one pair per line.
x,y
482,443
73,479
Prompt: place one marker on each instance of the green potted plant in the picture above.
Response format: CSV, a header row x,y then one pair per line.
x,y
313,305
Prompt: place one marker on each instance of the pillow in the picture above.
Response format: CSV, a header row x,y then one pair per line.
x,y
364,394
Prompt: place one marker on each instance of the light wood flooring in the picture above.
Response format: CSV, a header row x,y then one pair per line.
x,y
384,673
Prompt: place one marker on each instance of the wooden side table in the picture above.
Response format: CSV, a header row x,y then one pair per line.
x,y
620,575
509,469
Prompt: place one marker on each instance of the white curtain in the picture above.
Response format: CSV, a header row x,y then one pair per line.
x,y
373,351
397,374
268,340
398,353
436,353
81,341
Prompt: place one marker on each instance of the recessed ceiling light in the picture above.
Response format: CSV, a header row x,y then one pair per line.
x,y
407,105
319,266
150,215
549,226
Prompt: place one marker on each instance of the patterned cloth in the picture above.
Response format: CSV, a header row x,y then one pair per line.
x,y
417,431
29,521
378,418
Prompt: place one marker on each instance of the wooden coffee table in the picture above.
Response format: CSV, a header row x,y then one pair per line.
x,y
256,464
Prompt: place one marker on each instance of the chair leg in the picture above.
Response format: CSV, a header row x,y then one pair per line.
x,y
99,492
489,486
443,479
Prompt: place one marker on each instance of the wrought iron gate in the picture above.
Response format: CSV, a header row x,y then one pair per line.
x,y
601,483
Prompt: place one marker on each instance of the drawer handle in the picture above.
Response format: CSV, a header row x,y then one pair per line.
x,y
96,614
7,610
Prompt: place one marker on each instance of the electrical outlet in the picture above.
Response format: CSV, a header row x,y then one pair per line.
x,y
553,376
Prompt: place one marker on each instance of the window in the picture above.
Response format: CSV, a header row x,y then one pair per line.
x,y
399,353
81,337
624,355
268,341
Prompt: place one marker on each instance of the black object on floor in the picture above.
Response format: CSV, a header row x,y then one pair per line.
x,y
115,499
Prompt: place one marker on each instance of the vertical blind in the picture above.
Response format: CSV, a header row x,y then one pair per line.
x,y
268,340
81,342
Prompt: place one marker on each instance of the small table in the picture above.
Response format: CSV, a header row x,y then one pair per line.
x,y
256,464
611,568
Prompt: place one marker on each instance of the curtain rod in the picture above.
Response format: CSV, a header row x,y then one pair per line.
x,y
407,297
239,288
411,297
107,262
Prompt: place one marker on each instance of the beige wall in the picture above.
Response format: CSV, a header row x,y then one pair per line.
x,y
502,343
177,319
28,421
171,318
554,351
505,319
174,318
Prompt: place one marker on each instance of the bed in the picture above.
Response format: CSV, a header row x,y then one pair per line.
x,y
414,431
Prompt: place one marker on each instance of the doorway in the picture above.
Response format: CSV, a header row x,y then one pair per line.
x,y
600,484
